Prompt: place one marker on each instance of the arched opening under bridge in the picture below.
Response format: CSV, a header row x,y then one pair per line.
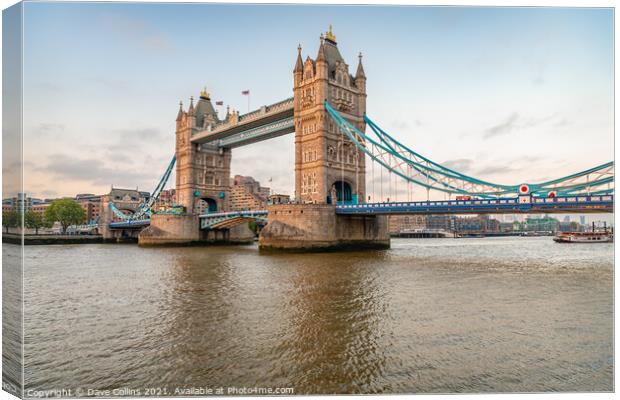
x,y
210,205
344,193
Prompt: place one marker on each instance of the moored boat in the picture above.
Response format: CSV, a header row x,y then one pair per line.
x,y
584,237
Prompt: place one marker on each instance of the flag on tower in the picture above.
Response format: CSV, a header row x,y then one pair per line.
x,y
247,93
219,103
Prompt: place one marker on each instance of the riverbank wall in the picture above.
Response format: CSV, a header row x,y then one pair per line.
x,y
13,238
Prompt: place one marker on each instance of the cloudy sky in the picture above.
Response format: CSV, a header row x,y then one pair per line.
x,y
505,94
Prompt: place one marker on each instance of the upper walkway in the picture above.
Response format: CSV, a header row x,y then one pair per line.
x,y
265,123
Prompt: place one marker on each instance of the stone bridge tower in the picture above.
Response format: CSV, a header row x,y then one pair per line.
x,y
202,171
327,163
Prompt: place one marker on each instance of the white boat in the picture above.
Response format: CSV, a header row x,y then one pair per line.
x,y
584,237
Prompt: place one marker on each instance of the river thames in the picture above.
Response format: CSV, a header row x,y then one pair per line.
x,y
428,315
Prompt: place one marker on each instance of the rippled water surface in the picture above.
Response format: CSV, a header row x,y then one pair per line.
x,y
428,315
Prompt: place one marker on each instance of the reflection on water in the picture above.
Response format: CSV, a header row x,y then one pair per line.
x,y
434,315
11,319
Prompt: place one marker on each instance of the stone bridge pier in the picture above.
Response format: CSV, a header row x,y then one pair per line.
x,y
317,227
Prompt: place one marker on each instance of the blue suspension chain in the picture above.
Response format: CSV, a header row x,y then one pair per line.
x,y
498,190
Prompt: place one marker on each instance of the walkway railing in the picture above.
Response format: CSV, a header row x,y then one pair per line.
x,y
523,204
213,220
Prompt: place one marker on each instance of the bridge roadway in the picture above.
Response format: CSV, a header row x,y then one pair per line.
x,y
137,224
517,205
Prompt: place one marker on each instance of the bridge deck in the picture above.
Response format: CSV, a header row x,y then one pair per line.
x,y
537,205
228,219
534,205
137,224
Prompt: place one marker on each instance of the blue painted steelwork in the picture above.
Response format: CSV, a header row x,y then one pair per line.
x,y
402,161
130,224
228,219
361,141
267,131
543,188
266,115
144,209
521,204
397,147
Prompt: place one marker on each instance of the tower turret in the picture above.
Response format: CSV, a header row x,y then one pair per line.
x,y
320,57
321,61
360,76
180,113
299,64
190,110
298,72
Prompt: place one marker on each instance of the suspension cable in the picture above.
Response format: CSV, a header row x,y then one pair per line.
x,y
341,168
395,187
443,179
372,167
381,183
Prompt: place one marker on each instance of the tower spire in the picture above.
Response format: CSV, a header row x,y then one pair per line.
x,y
180,113
321,55
190,110
299,65
360,68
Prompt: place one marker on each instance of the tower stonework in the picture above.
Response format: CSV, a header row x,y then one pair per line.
x,y
329,168
202,184
327,163
202,171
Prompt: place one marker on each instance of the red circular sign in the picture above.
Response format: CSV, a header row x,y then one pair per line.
x,y
524,189
551,194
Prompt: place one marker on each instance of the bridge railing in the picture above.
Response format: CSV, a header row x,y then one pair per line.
x,y
572,199
256,114
229,214
130,224
213,220
527,201
287,123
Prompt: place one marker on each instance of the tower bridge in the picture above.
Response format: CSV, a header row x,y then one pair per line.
x,y
331,207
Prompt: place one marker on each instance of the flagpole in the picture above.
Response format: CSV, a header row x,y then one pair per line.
x,y
247,93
